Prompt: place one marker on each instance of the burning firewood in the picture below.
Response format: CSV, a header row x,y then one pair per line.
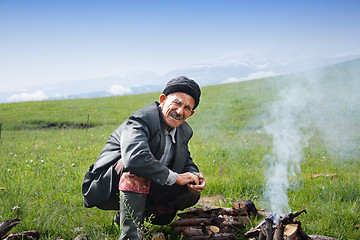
x,y
286,226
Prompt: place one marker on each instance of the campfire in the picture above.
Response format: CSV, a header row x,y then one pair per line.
x,y
276,228
212,222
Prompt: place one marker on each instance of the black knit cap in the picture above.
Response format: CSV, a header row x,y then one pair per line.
x,y
186,85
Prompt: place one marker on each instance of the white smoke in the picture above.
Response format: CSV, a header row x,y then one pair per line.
x,y
285,128
323,102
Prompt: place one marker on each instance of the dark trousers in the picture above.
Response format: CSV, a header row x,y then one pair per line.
x,y
163,202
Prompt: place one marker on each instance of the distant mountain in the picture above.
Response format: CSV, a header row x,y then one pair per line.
x,y
144,81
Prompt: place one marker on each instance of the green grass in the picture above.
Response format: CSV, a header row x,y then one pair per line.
x,y
45,151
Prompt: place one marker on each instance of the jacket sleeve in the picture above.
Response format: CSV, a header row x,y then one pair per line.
x,y
136,153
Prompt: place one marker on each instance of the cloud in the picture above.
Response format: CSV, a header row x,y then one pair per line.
x,y
119,90
251,76
23,97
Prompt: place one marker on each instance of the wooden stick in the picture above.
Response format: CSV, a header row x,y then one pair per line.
x,y
220,236
279,232
27,235
197,221
6,226
269,228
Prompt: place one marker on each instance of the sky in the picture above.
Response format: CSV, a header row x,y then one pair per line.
x,y
45,41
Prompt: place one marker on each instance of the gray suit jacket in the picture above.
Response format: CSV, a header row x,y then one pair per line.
x,y
138,143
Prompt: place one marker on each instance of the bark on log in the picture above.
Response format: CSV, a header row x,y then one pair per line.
x,y
210,212
212,228
269,228
262,236
27,235
197,221
6,226
279,232
252,233
290,217
303,234
246,206
221,236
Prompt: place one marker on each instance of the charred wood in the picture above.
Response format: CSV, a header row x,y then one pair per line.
x,y
252,233
27,235
6,226
211,212
219,236
279,232
246,206
197,221
269,228
291,216
287,226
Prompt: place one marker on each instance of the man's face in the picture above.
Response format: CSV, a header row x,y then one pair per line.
x,y
176,108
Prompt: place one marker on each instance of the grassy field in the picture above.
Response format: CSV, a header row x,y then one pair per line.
x,y
46,149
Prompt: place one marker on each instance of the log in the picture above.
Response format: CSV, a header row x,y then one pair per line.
x,y
27,235
232,221
262,236
210,212
290,231
279,232
212,229
197,221
246,206
290,217
252,233
303,234
269,228
220,236
192,231
6,226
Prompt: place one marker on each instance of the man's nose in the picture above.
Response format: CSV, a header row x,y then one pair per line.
x,y
180,110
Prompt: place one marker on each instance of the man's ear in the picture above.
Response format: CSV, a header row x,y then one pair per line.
x,y
162,99
192,113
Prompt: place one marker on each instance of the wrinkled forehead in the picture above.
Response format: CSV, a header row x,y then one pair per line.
x,y
183,97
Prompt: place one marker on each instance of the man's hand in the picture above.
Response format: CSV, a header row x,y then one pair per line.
x,y
197,188
186,178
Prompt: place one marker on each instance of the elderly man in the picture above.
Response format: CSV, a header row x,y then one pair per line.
x,y
158,175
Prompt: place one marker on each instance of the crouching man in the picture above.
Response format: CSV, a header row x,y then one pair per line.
x,y
158,175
